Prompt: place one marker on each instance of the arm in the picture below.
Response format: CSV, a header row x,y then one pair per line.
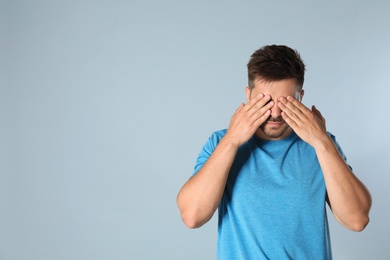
x,y
348,198
199,197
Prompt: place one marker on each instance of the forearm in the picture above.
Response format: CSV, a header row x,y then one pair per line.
x,y
199,197
349,199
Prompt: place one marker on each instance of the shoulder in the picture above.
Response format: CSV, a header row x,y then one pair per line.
x,y
331,135
218,135
214,139
336,143
208,148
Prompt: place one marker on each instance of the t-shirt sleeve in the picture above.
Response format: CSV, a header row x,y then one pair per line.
x,y
339,149
208,149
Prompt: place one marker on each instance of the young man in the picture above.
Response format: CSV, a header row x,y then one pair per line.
x,y
271,172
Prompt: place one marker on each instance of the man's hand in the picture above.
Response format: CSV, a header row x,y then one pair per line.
x,y
248,118
348,198
201,194
307,124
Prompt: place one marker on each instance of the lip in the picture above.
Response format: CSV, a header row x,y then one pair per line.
x,y
274,124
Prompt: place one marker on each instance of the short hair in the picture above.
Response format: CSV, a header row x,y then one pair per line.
x,y
276,62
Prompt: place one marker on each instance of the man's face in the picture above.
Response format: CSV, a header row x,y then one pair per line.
x,y
275,128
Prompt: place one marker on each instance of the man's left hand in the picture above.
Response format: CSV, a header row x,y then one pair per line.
x,y
307,124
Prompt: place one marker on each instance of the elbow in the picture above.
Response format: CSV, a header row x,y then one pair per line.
x,y
360,219
362,224
359,223
191,221
355,219
192,217
192,213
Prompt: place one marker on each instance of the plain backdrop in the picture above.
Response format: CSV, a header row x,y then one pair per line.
x,y
104,106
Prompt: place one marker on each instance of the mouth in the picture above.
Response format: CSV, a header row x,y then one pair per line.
x,y
274,123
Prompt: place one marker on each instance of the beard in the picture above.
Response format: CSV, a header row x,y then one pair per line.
x,y
274,132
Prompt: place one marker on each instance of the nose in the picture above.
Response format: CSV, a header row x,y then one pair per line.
x,y
275,110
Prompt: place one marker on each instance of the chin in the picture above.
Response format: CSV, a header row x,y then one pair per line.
x,y
276,134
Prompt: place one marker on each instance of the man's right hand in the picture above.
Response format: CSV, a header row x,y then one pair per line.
x,y
200,196
248,118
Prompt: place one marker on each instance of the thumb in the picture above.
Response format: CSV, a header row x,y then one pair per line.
x,y
239,108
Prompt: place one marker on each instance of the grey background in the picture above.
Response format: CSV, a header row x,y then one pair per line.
x,y
104,106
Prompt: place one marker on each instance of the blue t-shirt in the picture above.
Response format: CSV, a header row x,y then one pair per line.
x,y
273,206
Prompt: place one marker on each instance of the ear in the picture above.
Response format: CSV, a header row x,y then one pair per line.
x,y
248,93
301,95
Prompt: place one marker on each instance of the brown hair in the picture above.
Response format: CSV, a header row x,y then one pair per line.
x,y
276,62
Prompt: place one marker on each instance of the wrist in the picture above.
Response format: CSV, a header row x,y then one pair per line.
x,y
230,142
324,143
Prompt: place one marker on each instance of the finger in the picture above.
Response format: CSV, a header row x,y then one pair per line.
x,y
289,110
298,107
293,107
262,110
318,114
262,118
253,101
259,104
289,120
238,109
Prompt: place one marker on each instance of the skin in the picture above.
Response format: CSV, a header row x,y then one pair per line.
x,y
275,128
267,102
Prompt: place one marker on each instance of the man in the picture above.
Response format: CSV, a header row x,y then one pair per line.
x,y
272,171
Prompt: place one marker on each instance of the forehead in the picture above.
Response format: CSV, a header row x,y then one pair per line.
x,y
278,88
